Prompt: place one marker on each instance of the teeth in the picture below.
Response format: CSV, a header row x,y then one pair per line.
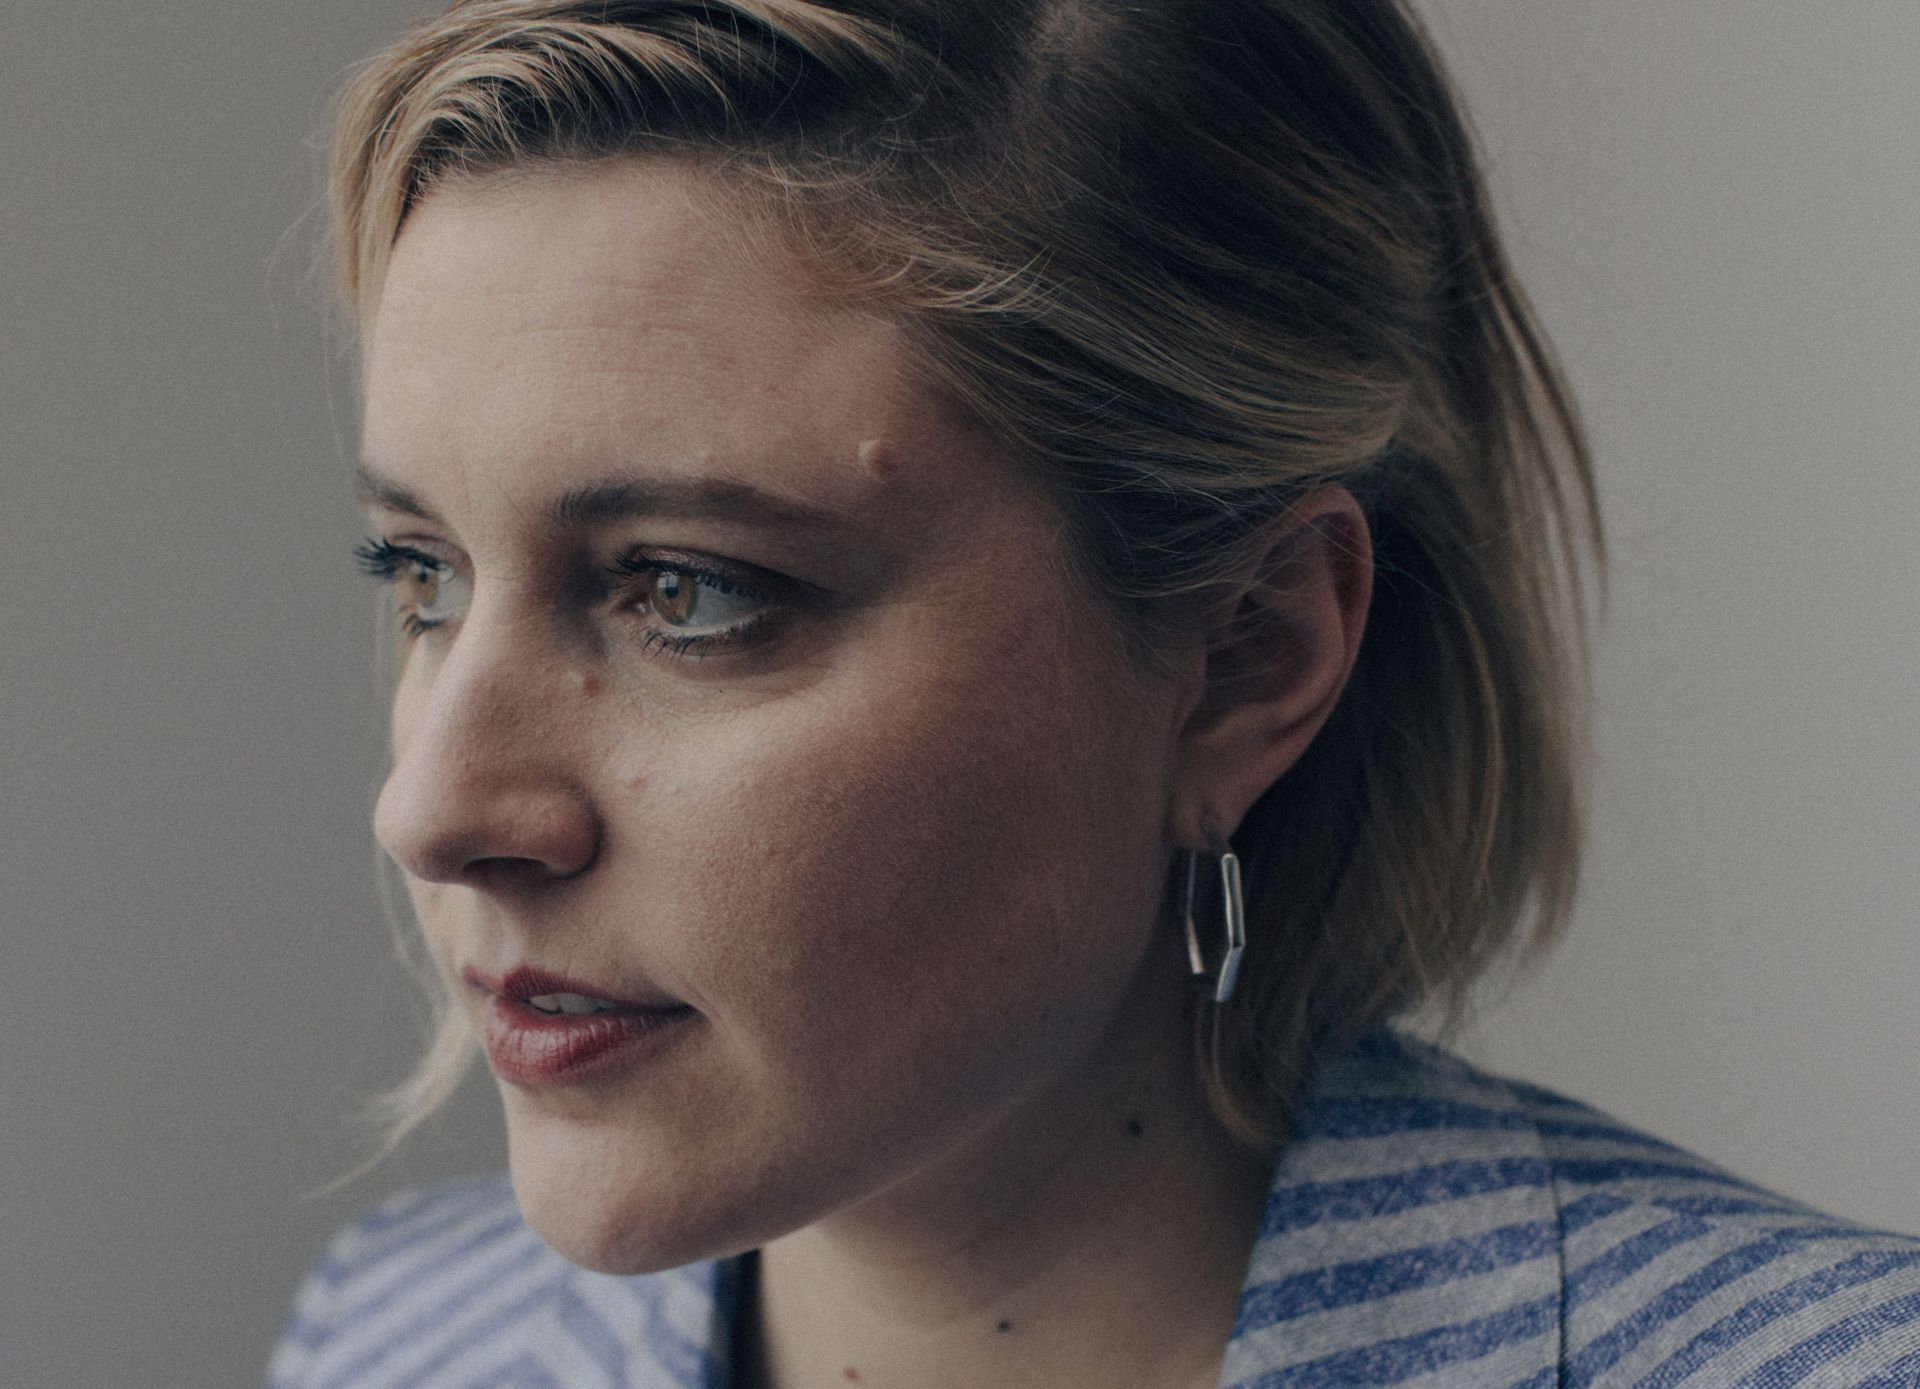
x,y
567,1003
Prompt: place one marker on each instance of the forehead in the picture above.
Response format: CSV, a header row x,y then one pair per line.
x,y
573,319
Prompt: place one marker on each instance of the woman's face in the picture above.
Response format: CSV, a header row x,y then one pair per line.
x,y
861,805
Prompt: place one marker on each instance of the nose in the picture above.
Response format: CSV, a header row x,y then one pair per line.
x,y
483,791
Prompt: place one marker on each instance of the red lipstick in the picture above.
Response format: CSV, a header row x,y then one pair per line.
x,y
532,1046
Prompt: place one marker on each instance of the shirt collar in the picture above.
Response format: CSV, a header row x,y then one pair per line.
x,y
1411,1230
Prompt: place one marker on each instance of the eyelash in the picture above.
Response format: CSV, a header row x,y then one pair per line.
x,y
383,560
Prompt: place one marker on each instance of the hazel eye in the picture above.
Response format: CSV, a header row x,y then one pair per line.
x,y
424,584
695,610
427,591
684,599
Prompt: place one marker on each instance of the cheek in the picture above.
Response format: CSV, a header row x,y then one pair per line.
x,y
928,873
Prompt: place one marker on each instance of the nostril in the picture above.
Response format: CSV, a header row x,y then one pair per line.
x,y
506,872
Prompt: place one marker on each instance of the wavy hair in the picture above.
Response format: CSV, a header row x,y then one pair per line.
x,y
1191,259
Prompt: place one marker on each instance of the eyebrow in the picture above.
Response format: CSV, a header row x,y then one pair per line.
x,y
619,498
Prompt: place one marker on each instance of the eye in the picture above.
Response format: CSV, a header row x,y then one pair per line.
x,y
682,598
699,609
428,590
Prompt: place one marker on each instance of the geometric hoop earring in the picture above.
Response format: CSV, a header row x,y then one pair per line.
x,y
1233,916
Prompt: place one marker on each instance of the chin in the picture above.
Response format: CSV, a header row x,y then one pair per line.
x,y
614,1200
607,1241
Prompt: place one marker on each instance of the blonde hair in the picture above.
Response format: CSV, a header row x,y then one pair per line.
x,y
1192,258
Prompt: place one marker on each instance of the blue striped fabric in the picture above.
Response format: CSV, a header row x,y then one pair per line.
x,y
1430,1225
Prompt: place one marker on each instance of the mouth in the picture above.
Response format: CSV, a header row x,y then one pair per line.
x,y
545,1030
572,1005
555,995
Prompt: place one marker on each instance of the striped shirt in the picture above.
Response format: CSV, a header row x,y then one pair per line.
x,y
1429,1225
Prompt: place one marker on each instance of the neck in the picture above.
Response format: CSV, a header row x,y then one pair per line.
x,y
1098,1235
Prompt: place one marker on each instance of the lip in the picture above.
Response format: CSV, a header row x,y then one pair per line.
x,y
525,981
531,1048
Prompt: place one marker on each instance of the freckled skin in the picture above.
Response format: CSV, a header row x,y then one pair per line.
x,y
905,867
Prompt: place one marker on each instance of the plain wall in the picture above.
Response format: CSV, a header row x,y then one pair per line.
x,y
1714,205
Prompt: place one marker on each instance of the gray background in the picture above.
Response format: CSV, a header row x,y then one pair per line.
x,y
1715,205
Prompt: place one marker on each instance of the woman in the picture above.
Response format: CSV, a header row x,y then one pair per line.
x,y
990,590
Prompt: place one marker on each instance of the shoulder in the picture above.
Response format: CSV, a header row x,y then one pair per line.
x,y
1430,1218
446,1287
1674,1264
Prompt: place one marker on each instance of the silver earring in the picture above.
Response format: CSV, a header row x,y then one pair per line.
x,y
1233,913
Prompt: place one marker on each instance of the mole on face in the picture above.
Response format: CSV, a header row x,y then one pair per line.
x,y
589,685
1134,1128
853,1374
1004,1327
877,456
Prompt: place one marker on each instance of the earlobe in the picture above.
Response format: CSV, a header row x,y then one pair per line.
x,y
1278,655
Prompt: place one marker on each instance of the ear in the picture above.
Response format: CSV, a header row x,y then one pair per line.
x,y
1279,649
